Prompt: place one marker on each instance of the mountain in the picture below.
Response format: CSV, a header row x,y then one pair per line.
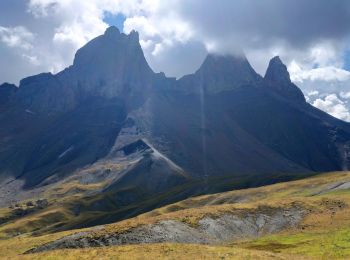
x,y
6,91
82,108
277,77
107,138
221,73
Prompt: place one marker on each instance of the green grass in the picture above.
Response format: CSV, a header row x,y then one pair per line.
x,y
322,244
323,234
153,251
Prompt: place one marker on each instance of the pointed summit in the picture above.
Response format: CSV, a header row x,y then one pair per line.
x,y
134,36
6,91
226,72
111,46
112,31
111,64
277,77
277,71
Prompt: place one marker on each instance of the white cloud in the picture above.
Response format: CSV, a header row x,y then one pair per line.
x,y
334,106
32,59
72,23
345,95
53,31
313,93
176,34
16,37
327,88
327,74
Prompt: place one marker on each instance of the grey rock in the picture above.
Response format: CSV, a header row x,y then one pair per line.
x,y
226,228
6,92
221,73
278,79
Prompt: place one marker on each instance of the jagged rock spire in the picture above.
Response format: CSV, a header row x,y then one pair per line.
x,y
277,77
277,71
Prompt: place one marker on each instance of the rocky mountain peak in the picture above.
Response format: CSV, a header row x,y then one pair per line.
x,y
112,46
226,72
7,86
277,71
111,64
277,78
6,91
214,60
112,31
134,36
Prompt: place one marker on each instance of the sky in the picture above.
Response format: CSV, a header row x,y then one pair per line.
x,y
312,37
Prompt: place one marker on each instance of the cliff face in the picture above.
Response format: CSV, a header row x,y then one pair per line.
x,y
278,79
111,65
223,120
6,91
222,73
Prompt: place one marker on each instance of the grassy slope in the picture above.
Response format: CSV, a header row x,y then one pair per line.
x,y
324,233
156,251
75,205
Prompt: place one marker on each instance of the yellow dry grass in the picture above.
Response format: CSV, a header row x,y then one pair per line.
x,y
156,251
323,234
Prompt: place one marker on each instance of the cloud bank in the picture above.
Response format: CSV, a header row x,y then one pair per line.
x,y
311,36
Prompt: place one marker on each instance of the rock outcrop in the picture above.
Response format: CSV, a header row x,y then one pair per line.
x,y
6,91
220,73
222,127
226,228
278,79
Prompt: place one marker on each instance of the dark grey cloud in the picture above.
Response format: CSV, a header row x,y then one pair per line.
x,y
180,59
43,35
181,29
298,23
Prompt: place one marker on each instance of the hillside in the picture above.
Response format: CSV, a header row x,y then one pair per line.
x,y
107,138
297,219
214,122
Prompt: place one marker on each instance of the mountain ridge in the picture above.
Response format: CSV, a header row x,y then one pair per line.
x,y
109,118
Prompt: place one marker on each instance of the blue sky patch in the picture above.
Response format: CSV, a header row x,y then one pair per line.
x,y
116,20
